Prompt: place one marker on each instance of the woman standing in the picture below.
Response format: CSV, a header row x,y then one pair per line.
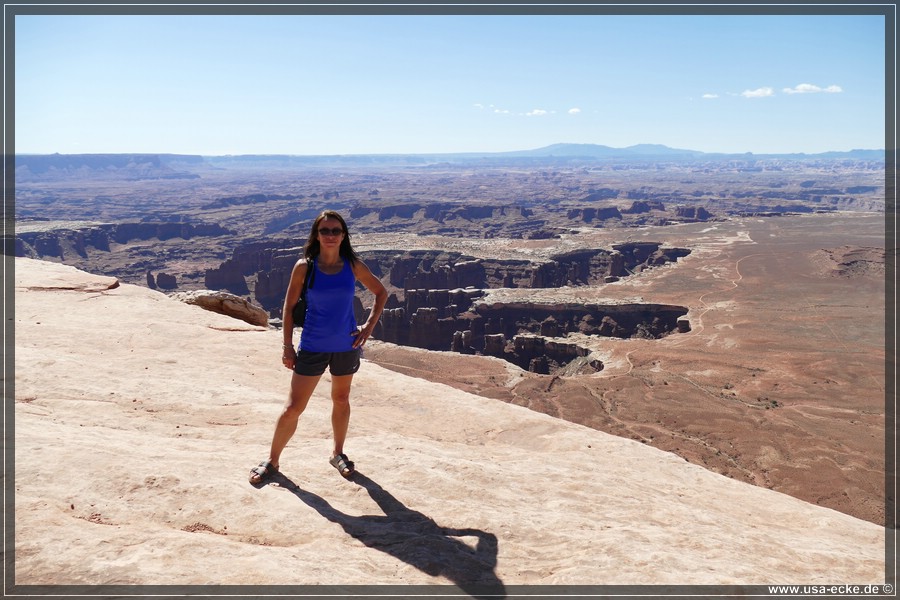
x,y
330,336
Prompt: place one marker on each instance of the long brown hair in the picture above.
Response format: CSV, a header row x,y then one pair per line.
x,y
312,248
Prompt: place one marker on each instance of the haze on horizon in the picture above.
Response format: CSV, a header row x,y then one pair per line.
x,y
415,84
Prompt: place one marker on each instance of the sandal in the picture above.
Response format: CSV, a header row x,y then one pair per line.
x,y
343,464
261,472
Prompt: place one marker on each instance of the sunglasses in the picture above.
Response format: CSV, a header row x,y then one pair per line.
x,y
334,231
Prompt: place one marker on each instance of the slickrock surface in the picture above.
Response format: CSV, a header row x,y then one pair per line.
x,y
137,418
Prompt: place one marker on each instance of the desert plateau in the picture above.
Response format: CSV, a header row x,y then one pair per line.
x,y
607,370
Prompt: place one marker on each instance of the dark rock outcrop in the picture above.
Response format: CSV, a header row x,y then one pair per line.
x,y
166,281
643,206
540,355
226,277
692,213
428,269
265,265
485,328
64,242
588,215
601,194
613,320
447,218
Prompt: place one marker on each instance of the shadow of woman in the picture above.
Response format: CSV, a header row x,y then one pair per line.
x,y
415,539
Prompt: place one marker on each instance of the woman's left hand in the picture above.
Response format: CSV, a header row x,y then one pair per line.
x,y
362,335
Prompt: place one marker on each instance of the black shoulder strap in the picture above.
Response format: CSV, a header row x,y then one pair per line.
x,y
309,279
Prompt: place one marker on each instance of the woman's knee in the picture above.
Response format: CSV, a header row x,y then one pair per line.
x,y
340,390
341,398
295,406
301,391
291,411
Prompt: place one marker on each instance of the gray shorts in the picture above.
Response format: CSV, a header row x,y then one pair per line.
x,y
338,363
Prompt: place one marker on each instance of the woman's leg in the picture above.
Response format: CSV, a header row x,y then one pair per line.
x,y
302,388
340,410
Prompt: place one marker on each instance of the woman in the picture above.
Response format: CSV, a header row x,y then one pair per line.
x,y
329,338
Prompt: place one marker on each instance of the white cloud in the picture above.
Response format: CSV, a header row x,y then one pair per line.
x,y
492,108
537,112
710,96
808,88
763,92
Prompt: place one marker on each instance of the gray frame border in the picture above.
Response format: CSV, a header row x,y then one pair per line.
x,y
437,7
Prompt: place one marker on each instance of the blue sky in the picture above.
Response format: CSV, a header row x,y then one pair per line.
x,y
354,84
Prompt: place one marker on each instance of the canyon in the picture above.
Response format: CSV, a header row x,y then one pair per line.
x,y
727,309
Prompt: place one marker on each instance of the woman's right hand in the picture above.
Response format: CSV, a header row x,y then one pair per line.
x,y
288,356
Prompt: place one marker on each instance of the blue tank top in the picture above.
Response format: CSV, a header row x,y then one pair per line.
x,y
329,313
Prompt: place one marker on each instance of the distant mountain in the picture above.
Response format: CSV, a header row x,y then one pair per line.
x,y
40,163
861,154
166,166
30,167
600,151
660,151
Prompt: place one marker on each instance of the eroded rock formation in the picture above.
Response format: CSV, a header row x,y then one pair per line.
x,y
225,304
692,213
62,243
526,334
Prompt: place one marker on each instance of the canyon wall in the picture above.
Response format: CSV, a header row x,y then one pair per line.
x,y
62,242
530,335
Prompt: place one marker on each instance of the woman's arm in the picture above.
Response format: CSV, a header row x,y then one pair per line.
x,y
298,273
374,285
